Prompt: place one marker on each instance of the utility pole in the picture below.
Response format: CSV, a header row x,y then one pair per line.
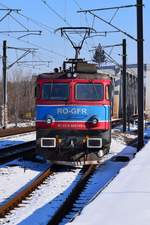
x,y
5,68
4,106
140,61
124,80
140,74
124,56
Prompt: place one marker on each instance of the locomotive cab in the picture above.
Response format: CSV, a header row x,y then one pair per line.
x,y
73,114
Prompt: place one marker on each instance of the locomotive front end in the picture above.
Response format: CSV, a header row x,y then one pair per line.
x,y
73,118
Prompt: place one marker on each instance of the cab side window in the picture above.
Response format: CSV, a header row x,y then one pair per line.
x,y
108,92
37,91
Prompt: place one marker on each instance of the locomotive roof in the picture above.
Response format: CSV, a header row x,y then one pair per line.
x,y
62,75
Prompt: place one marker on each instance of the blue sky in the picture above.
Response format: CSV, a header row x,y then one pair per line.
x,y
54,48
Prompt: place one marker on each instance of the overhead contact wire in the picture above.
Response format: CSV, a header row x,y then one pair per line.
x,y
55,12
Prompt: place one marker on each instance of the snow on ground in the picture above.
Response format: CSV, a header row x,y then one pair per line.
x,y
17,139
21,124
118,199
15,175
147,133
107,171
125,201
37,210
44,201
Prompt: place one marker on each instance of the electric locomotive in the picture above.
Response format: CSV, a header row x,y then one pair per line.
x,y
73,114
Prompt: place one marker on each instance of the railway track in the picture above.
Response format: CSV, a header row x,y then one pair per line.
x,y
93,181
50,176
85,173
118,121
24,149
13,202
15,130
67,205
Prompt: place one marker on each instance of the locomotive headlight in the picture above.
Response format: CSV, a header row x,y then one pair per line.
x,y
75,75
69,75
49,120
94,121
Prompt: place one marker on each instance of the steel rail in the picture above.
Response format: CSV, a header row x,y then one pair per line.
x,y
12,203
118,121
16,130
73,196
23,149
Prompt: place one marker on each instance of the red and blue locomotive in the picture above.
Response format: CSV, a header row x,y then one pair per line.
x,y
73,114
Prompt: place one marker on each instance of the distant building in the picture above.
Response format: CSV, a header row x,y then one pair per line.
x,y
132,69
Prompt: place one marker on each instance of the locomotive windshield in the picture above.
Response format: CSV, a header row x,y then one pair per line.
x,y
55,91
89,92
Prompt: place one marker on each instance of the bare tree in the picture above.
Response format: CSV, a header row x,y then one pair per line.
x,y
99,55
20,97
